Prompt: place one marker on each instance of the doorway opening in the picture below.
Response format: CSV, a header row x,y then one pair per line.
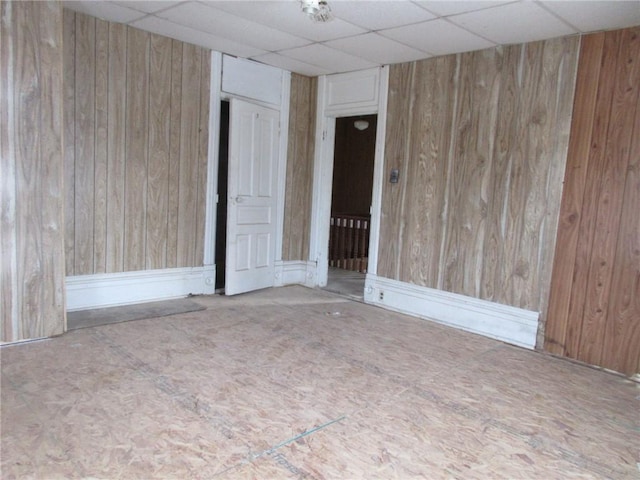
x,y
352,188
221,208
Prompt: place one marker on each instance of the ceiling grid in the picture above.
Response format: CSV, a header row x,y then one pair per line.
x,y
361,34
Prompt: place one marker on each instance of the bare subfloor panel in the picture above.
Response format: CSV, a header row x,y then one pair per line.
x,y
299,383
344,282
104,316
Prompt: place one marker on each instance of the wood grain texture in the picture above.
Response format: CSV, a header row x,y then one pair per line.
x,y
480,139
116,147
174,154
159,140
69,45
554,54
615,139
593,308
397,137
276,385
187,197
573,193
621,343
425,217
137,149
137,130
469,175
31,171
495,273
84,144
302,111
101,147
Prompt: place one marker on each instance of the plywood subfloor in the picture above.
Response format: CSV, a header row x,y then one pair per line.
x,y
346,283
299,383
103,316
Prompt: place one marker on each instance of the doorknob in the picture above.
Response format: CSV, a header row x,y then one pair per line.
x,y
239,199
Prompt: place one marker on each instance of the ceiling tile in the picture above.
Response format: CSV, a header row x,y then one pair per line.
x,y
189,35
291,64
589,16
150,6
207,19
376,15
328,58
105,10
377,48
287,16
453,7
438,37
513,23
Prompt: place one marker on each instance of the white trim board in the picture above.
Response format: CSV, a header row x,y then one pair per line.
x,y
296,272
115,289
501,322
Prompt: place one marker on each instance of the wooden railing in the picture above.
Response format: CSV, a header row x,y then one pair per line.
x,y
349,242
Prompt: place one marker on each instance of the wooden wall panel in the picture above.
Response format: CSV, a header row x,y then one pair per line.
x,y
31,171
69,115
594,307
425,217
397,138
101,146
468,177
137,127
480,139
137,148
116,146
84,125
300,150
573,193
159,141
495,276
621,349
174,155
190,108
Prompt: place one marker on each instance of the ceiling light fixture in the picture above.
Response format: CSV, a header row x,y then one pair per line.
x,y
317,10
361,124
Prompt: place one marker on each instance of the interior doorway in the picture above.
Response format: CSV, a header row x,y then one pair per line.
x,y
221,208
247,197
351,193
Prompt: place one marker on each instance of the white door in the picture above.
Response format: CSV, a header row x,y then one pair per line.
x,y
251,222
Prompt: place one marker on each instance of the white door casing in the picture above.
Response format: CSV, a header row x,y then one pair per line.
x,y
344,95
253,192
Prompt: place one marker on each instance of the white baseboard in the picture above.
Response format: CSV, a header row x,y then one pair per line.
x,y
501,322
295,273
114,289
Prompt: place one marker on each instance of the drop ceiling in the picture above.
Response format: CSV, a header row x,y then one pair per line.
x,y
362,34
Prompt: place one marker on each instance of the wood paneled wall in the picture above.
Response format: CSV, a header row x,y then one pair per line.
x,y
594,310
480,139
136,133
299,183
32,304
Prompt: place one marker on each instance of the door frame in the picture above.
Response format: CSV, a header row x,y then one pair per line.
x,y
350,104
216,96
